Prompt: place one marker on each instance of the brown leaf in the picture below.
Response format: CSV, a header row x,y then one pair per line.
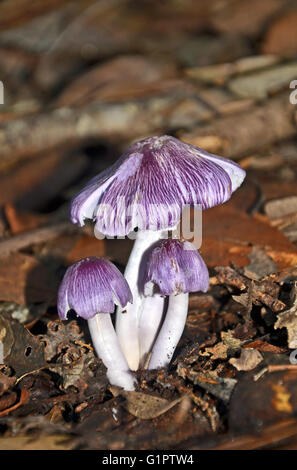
x,y
248,360
263,346
145,406
288,319
6,383
122,78
231,240
85,246
34,182
230,341
219,351
235,16
21,222
280,207
261,264
209,380
280,37
25,352
23,280
230,277
263,292
60,335
27,9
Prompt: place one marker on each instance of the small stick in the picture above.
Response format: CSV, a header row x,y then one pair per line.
x,y
23,399
275,368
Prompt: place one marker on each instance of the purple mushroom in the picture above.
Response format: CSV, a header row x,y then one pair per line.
x,y
147,189
92,287
173,269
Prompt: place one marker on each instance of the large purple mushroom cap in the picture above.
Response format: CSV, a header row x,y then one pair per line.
x,y
90,286
175,267
151,183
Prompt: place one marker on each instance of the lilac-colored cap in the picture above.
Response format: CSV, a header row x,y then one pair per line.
x,y
90,286
174,267
151,183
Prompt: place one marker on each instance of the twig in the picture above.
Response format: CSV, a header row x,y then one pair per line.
x,y
23,399
276,368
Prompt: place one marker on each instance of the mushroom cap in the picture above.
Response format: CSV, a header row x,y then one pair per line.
x,y
90,286
151,183
174,267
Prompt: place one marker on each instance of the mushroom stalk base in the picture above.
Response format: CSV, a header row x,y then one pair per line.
x,y
127,318
107,347
171,331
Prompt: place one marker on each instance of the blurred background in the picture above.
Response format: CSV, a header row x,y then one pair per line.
x,y
83,79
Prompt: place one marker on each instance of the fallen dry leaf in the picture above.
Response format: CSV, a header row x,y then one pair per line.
x,y
222,246
248,360
261,264
6,383
230,341
280,38
219,351
146,406
264,346
280,207
209,380
22,351
124,77
21,222
25,280
84,247
288,319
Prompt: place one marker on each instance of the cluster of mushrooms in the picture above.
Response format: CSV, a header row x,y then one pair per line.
x,y
146,189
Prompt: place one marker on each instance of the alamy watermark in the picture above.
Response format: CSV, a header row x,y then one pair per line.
x,y
151,217
293,94
1,353
293,357
1,93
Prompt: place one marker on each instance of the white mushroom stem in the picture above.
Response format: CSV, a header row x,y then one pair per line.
x,y
171,331
127,318
149,324
107,347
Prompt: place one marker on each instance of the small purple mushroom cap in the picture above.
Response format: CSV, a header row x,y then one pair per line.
x,y
175,267
151,183
90,286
